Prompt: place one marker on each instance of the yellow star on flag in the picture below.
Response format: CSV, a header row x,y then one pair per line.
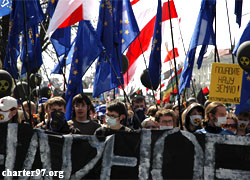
x,y
76,61
75,72
126,32
248,77
105,23
126,21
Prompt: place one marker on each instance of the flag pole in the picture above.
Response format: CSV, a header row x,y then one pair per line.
x,y
27,60
229,32
15,83
150,81
176,75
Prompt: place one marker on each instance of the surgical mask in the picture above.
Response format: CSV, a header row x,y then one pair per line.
x,y
111,121
166,127
242,124
4,116
221,120
195,120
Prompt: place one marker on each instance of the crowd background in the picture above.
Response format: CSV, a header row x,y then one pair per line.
x,y
103,118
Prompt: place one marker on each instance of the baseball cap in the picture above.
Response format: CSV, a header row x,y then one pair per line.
x,y
7,103
101,110
42,100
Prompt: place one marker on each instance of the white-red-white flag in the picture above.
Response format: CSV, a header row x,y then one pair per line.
x,y
69,12
145,12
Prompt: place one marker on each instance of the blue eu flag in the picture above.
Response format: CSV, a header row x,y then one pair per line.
x,y
245,95
244,37
67,59
34,15
87,48
61,37
5,7
154,67
238,11
116,28
203,35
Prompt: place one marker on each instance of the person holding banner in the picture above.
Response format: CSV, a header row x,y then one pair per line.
x,y
115,113
166,119
81,119
215,117
193,116
243,127
8,110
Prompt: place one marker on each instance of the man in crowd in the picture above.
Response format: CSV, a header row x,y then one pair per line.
x,y
166,119
215,116
139,108
243,123
56,122
115,113
8,110
81,115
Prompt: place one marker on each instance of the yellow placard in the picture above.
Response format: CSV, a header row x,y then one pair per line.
x,y
225,83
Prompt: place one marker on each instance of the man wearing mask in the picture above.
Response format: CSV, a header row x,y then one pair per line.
x,y
215,117
243,123
115,113
8,110
139,108
166,118
56,121
192,117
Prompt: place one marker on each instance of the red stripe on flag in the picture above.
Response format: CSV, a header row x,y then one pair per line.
x,y
76,16
142,42
134,2
165,11
170,55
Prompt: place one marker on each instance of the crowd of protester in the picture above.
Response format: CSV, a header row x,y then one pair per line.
x,y
106,118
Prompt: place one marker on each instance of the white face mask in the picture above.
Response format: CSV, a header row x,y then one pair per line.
x,y
4,116
166,127
242,124
111,121
195,120
221,120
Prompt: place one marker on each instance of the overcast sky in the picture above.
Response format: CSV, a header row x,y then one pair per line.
x,y
188,11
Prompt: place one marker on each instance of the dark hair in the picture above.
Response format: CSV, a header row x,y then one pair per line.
x,y
138,99
245,114
79,99
118,107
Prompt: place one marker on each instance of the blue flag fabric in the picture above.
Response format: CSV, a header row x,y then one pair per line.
x,y
67,58
238,11
61,38
12,52
87,48
244,37
116,28
203,35
5,7
245,95
34,60
154,67
34,15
